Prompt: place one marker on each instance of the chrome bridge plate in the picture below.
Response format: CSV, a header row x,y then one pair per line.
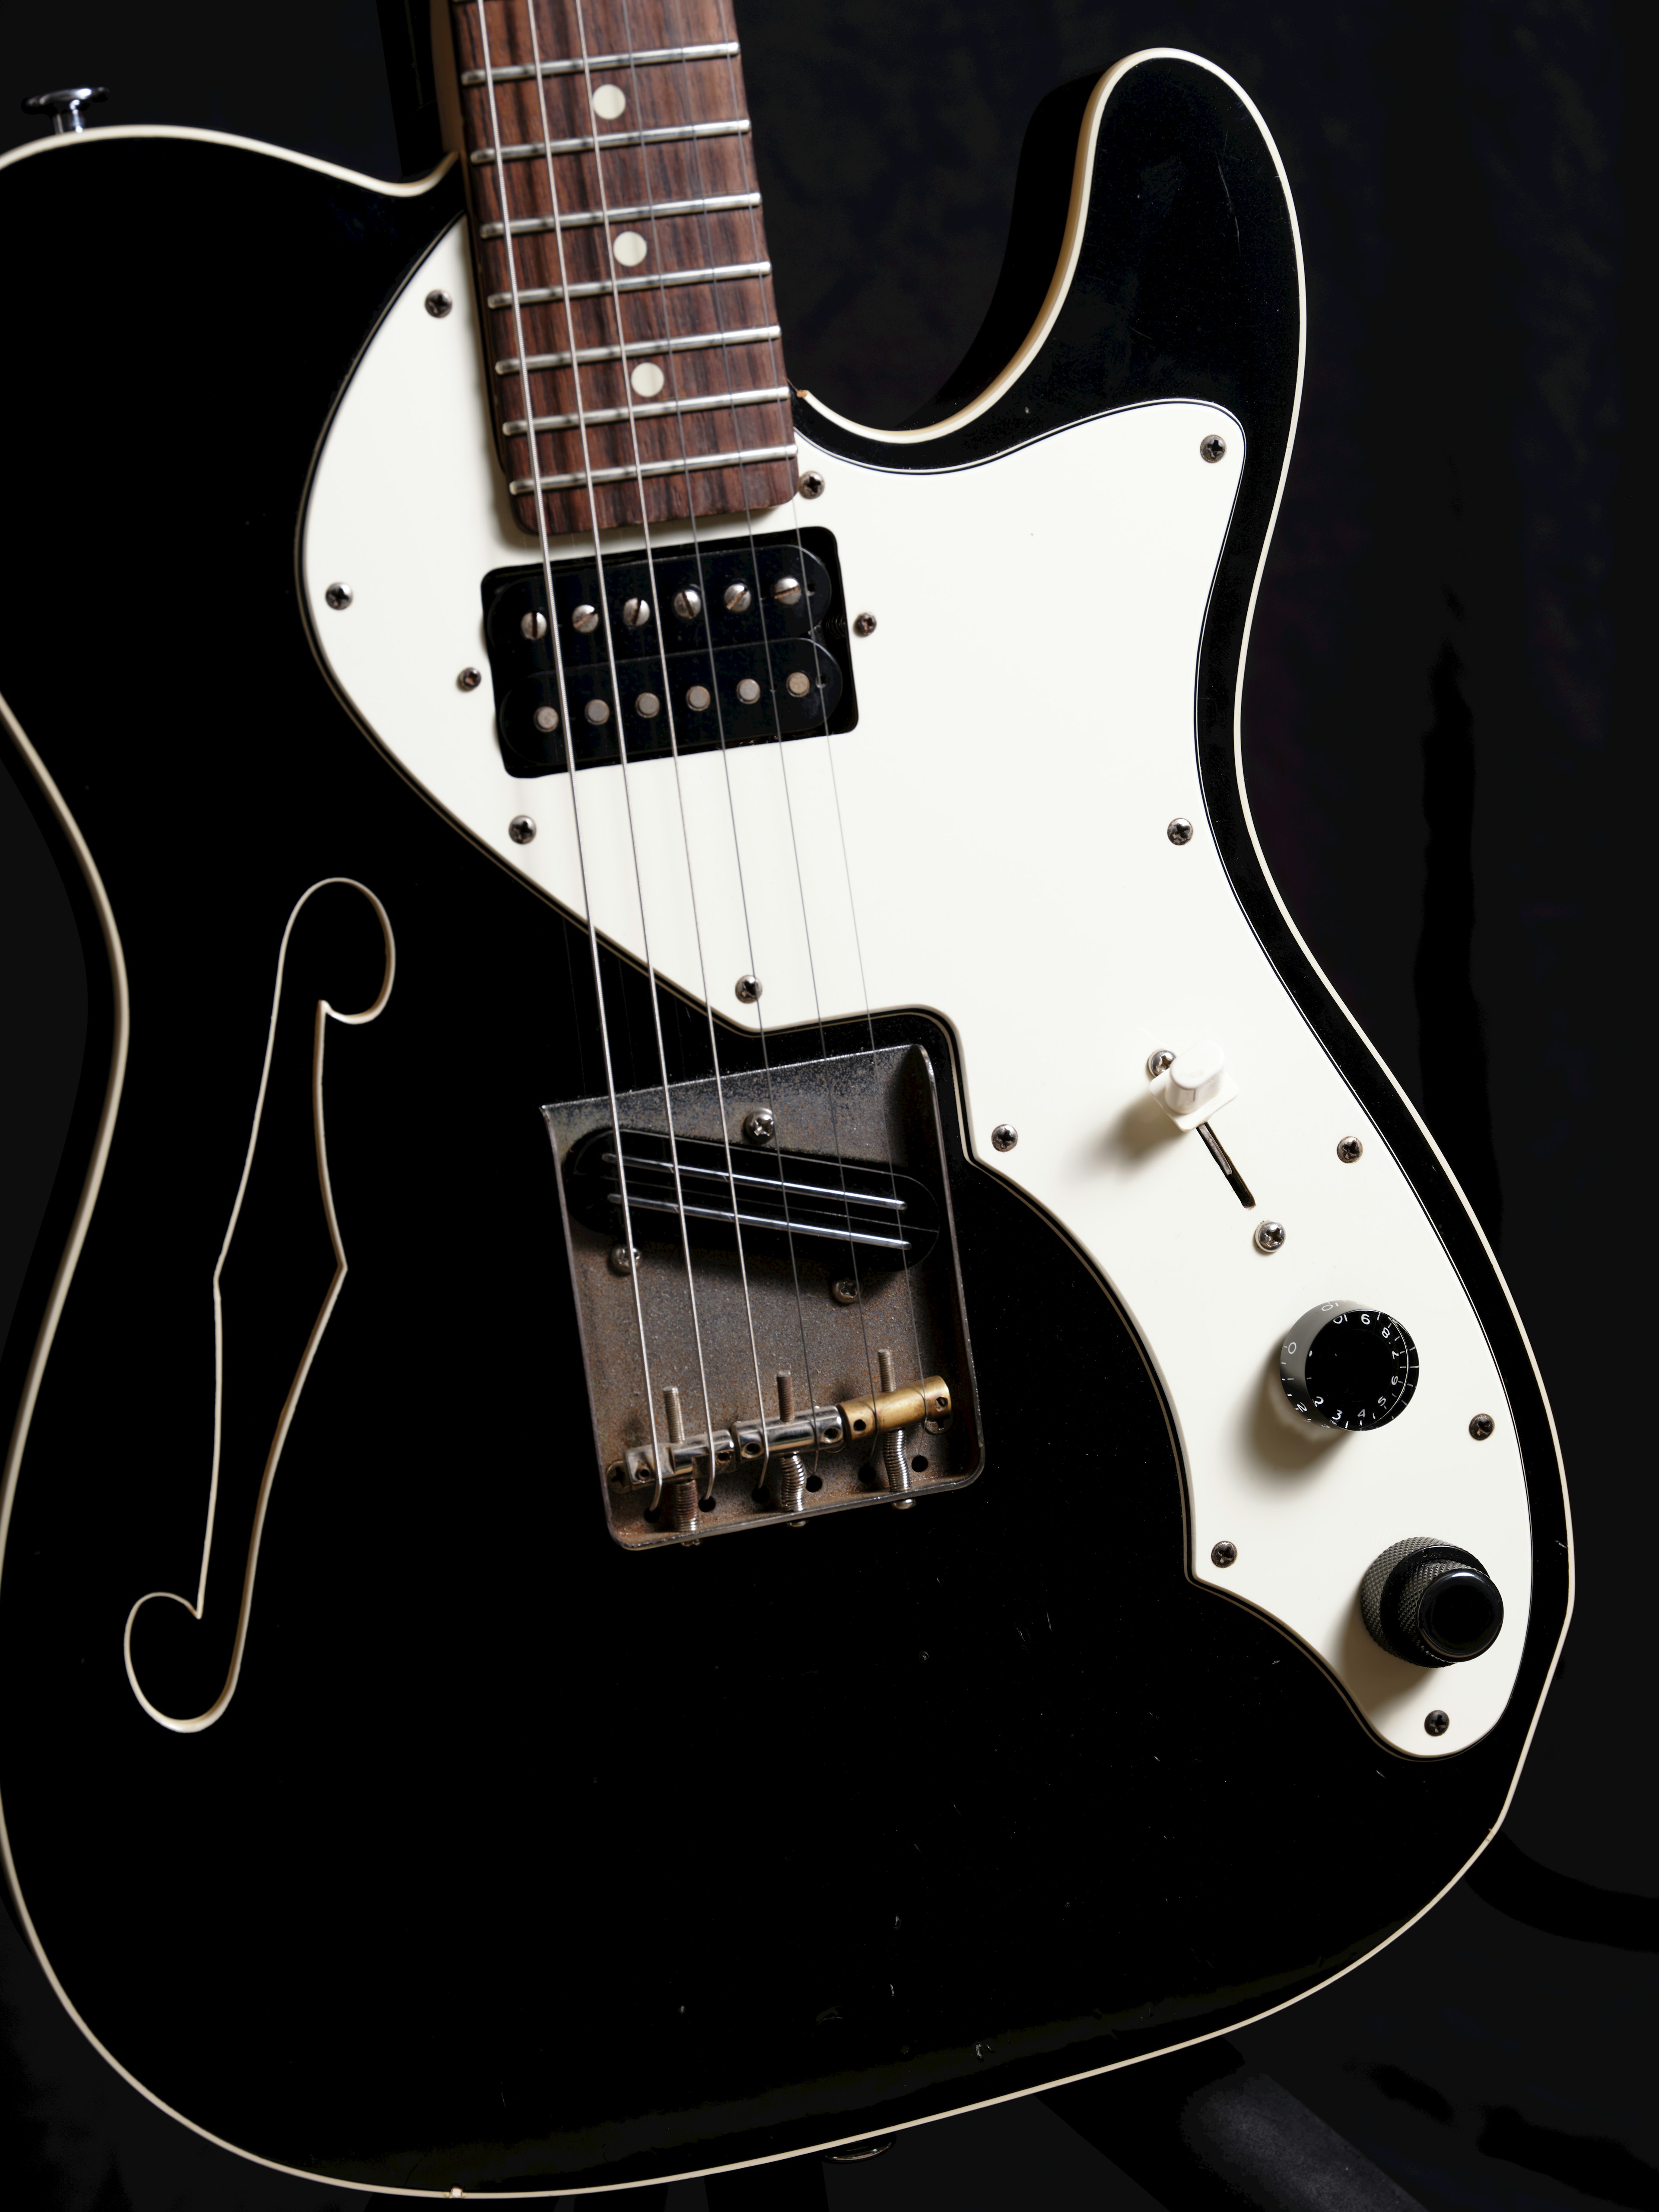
x,y
820,1319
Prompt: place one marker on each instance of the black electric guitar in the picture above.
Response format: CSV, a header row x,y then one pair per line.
x,y
742,1415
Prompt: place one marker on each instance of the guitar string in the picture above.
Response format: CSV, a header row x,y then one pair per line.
x,y
564,713
571,767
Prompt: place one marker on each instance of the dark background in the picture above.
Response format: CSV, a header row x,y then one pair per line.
x,y
1442,743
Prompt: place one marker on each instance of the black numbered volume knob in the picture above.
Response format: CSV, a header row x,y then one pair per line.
x,y
1349,1366
1430,1602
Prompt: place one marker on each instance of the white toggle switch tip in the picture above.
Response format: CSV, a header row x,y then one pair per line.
x,y
1194,1077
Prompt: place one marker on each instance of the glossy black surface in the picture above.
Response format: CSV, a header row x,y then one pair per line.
x,y
516,1858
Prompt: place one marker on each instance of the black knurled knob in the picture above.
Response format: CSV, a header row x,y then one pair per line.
x,y
1430,1602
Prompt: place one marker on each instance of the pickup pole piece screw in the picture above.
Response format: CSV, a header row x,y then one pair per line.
x,y
1223,1553
811,485
438,304
688,604
761,1126
339,597
636,613
844,1291
647,704
1005,1136
586,618
748,989
1180,831
1157,1062
533,625
748,692
1213,448
1269,1236
799,684
546,719
1348,1150
863,625
1437,1722
1482,1427
786,590
522,829
469,678
597,711
736,598
699,698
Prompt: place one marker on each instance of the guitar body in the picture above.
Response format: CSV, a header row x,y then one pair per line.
x,y
510,1858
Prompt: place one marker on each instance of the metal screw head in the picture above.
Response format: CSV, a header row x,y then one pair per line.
x,y
339,597
844,1291
983,2050
597,711
1437,1722
619,1260
761,1126
647,704
811,485
863,625
1348,1149
798,684
1005,1136
584,618
1180,831
699,698
1269,1236
1482,1427
748,989
786,590
1157,1062
522,829
469,678
636,613
546,719
688,604
748,691
1223,1554
438,303
1213,448
532,625
736,598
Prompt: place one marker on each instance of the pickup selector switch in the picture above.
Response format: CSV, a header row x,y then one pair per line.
x,y
1430,1602
1348,1366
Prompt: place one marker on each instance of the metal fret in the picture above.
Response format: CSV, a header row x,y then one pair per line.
x,y
485,156
761,334
525,226
582,477
702,403
520,70
540,295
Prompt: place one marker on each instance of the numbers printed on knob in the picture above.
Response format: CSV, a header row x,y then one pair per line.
x,y
1348,1366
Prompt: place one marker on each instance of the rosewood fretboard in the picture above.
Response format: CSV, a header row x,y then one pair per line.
x,y
637,246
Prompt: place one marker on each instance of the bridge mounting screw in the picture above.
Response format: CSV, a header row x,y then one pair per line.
x,y
748,989
1157,1062
1269,1236
811,485
863,625
619,1261
1348,1150
1213,448
760,1126
522,829
438,304
1223,1554
1005,1136
1180,831
339,597
469,678
1437,1722
844,1291
1482,1427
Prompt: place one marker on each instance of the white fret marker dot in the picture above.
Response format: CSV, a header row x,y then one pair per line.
x,y
648,379
609,101
629,248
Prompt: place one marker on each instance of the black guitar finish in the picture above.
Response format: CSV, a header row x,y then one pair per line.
x,y
518,1860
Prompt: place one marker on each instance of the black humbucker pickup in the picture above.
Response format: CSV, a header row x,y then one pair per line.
x,y
733,641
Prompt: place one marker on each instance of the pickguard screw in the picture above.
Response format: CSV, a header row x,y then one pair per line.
x,y
1482,1427
522,829
811,485
1437,1722
845,1292
1213,448
438,304
863,625
748,989
618,1261
1005,1136
1157,1062
1180,831
1223,1553
760,1126
1349,1149
339,597
469,678
1269,1236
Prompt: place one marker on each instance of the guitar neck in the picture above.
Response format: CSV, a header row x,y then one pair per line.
x,y
629,319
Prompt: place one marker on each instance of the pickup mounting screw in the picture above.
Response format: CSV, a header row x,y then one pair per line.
x,y
469,678
339,597
522,829
533,625
1482,1427
1180,831
760,1126
1269,1236
1005,1136
1348,1150
1157,1062
863,625
1213,448
1223,1553
619,1260
438,304
811,485
748,989
1437,1722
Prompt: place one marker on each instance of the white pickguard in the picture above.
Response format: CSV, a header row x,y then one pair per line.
x,y
989,843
